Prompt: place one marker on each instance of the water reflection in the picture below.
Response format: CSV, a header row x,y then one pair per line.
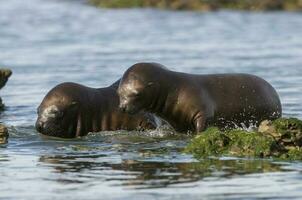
x,y
148,174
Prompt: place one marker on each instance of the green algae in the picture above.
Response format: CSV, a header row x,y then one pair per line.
x,y
214,142
255,144
117,3
211,142
278,139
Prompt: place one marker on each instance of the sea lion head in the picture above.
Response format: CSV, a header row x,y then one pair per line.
x,y
138,87
59,112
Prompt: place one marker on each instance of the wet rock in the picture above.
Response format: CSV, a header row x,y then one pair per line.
x,y
4,75
214,142
203,4
1,104
281,138
287,132
3,134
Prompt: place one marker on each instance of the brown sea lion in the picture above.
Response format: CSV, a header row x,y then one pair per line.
x,y
70,110
192,102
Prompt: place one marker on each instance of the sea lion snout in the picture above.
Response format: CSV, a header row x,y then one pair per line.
x,y
39,125
123,107
128,108
128,104
50,120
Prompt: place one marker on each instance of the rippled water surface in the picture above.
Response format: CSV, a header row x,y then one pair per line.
x,y
46,42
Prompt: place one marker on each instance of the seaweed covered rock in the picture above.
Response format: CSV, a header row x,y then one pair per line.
x,y
287,132
214,142
161,4
4,75
280,139
3,134
208,143
203,4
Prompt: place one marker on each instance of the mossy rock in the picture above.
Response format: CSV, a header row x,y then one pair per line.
x,y
3,134
287,132
203,4
4,75
279,139
211,142
2,106
255,144
214,142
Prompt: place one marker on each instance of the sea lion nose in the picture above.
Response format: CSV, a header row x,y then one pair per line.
x,y
122,107
39,125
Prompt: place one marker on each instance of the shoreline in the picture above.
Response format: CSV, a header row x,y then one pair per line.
x,y
203,5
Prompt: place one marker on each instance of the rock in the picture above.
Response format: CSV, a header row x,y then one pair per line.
x,y
287,132
281,138
4,75
208,143
3,134
1,104
203,5
214,142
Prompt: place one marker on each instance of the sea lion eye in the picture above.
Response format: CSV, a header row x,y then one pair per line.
x,y
136,95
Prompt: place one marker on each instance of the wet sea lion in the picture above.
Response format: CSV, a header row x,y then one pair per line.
x,y
70,110
192,102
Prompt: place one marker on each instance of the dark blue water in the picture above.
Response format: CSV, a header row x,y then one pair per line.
x,y
46,42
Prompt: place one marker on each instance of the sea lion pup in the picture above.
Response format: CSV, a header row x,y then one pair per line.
x,y
192,102
70,110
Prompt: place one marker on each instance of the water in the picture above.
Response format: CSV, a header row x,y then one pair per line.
x,y
46,42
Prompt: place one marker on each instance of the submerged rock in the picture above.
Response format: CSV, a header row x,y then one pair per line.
x,y
3,134
281,138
